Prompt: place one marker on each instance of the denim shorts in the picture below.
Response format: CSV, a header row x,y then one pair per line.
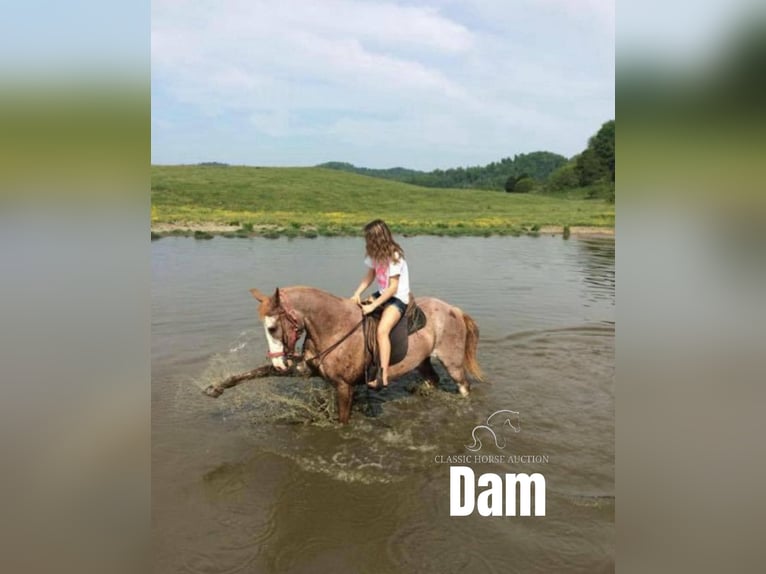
x,y
398,303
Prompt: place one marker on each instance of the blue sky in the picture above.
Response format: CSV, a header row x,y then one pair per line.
x,y
378,84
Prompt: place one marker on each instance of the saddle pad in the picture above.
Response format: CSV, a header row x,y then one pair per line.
x,y
411,322
416,319
398,337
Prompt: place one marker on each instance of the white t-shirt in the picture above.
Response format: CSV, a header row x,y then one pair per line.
x,y
394,268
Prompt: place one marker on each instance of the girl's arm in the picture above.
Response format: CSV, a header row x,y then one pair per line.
x,y
388,292
366,280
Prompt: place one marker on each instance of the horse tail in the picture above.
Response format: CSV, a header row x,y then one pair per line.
x,y
471,342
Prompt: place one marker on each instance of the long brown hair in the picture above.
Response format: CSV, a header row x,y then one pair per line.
x,y
380,244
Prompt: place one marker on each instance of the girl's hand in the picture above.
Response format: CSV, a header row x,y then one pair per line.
x,y
368,308
356,298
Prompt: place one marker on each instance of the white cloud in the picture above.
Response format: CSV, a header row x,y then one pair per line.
x,y
275,123
601,9
383,72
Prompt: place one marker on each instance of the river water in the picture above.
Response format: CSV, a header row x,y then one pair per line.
x,y
263,480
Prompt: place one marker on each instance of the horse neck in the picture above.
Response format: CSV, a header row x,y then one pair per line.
x,y
324,315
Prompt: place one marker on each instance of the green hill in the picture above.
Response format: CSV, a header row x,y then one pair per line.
x,y
538,165
311,201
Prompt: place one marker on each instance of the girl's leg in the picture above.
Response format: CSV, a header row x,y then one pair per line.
x,y
388,320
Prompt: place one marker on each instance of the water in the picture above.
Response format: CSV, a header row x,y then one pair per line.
x,y
263,480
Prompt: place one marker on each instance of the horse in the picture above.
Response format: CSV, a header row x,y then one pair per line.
x,y
334,347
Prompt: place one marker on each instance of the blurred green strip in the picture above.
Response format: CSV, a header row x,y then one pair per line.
x,y
81,138
696,132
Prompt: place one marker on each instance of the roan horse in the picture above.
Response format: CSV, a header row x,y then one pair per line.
x,y
334,347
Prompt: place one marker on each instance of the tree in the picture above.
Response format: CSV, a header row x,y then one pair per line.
x,y
495,175
524,185
510,183
603,145
538,165
565,177
596,163
589,170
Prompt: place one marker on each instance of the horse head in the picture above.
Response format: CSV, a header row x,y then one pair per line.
x,y
282,326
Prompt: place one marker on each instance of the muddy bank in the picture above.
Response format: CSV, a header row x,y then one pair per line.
x,y
207,230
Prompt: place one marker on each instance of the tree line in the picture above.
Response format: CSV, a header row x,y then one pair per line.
x,y
593,168
539,171
537,165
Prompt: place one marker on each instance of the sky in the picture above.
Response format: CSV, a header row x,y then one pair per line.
x,y
378,83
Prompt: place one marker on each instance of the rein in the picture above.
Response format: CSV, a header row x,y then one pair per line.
x,y
332,347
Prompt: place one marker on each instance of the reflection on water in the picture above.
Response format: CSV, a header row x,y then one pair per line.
x,y
598,268
263,480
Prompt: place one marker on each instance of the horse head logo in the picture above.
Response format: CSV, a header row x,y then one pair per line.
x,y
499,419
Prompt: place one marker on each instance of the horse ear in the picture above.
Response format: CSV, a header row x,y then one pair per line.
x,y
276,297
258,295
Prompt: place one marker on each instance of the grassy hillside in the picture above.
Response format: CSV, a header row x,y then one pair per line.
x,y
538,165
294,201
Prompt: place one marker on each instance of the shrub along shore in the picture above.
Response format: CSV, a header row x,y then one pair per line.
x,y
233,201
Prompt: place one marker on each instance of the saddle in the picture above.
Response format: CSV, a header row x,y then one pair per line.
x,y
410,322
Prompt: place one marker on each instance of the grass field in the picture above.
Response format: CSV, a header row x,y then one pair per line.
x,y
313,201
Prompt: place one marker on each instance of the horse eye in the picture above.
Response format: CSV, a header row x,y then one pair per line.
x,y
272,329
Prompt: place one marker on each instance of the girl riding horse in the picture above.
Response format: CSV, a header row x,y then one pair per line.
x,y
387,266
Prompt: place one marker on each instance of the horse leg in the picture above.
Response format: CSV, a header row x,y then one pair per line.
x,y
216,389
345,397
457,372
426,370
450,350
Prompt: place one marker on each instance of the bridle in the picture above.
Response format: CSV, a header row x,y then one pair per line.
x,y
291,334
293,331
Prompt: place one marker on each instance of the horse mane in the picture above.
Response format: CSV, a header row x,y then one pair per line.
x,y
268,305
305,288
